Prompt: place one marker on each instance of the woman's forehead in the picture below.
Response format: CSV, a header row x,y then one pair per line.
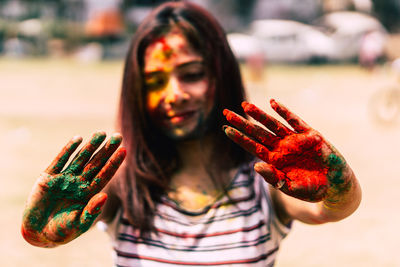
x,y
169,51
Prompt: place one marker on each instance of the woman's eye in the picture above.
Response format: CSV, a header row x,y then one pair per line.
x,y
193,76
153,83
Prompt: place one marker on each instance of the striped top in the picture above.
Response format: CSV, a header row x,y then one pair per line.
x,y
243,231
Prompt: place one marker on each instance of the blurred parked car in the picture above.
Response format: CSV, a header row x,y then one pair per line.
x,y
354,35
337,37
282,41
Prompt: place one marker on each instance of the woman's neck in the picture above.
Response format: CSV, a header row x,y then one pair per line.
x,y
192,186
194,153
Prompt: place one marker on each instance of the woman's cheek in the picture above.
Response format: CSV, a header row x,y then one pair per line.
x,y
153,100
199,91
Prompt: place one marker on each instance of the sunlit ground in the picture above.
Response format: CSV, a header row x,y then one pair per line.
x,y
45,102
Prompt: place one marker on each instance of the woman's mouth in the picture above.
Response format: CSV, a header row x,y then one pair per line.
x,y
180,117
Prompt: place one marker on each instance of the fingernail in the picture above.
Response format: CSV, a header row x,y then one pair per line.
x,y
115,139
226,129
99,132
225,112
76,138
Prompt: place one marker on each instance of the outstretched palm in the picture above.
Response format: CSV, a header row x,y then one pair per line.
x,y
299,161
64,204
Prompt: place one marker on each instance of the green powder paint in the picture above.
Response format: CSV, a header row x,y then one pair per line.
x,y
60,164
64,158
69,224
88,221
68,186
59,231
336,174
97,139
34,215
334,160
115,140
67,211
336,177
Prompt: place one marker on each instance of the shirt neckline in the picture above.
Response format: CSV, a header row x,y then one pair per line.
x,y
170,202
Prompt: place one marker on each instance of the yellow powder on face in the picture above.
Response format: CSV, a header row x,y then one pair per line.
x,y
160,57
179,132
153,98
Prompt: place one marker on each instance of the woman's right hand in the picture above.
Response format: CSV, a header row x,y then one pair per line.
x,y
64,204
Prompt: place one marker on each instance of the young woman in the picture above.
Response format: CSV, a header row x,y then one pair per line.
x,y
186,194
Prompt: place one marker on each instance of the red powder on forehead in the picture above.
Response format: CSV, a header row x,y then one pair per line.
x,y
166,48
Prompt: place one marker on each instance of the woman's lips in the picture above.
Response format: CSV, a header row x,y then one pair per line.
x,y
181,116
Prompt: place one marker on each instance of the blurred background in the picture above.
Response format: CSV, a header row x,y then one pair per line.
x,y
333,62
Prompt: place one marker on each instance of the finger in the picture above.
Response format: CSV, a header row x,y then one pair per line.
x,y
271,175
268,121
108,171
101,157
293,120
263,136
62,158
91,211
247,143
86,152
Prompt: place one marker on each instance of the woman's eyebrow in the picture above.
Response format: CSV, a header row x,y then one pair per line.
x,y
179,67
190,63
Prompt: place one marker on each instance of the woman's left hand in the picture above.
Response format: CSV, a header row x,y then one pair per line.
x,y
298,161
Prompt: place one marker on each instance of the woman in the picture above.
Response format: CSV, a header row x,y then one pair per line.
x,y
186,194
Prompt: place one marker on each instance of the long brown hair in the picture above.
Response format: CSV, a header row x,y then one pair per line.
x,y
152,157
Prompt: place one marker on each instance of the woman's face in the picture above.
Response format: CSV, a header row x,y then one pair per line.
x,y
178,96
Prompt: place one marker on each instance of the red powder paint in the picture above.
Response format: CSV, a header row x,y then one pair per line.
x,y
247,143
306,176
166,48
250,129
270,122
296,155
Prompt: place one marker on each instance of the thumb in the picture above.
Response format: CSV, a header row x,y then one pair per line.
x,y
270,174
92,210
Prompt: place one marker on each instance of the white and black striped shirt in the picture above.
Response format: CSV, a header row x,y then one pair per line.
x,y
243,233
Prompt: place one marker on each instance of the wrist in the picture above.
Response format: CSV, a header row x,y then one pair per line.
x,y
341,189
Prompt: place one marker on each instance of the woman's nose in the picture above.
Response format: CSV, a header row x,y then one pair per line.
x,y
175,93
